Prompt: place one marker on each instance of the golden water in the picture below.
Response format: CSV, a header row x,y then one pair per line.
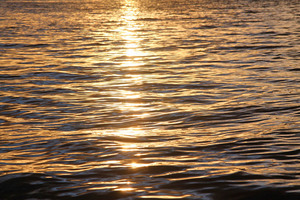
x,y
137,99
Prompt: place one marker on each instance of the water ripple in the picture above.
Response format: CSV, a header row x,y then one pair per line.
x,y
137,99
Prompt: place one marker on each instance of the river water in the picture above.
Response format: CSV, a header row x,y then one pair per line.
x,y
149,99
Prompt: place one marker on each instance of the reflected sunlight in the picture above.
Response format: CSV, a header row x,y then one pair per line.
x,y
125,189
130,102
126,132
138,165
132,60
129,35
130,10
164,197
130,94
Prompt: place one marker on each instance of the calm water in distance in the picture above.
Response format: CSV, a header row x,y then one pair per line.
x,y
149,99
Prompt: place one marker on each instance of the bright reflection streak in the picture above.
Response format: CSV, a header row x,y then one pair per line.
x,y
129,34
164,197
127,132
137,165
129,147
125,189
130,59
130,94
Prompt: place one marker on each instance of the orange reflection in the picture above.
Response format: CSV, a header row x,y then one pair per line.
x,y
138,165
125,189
131,60
164,196
132,48
127,132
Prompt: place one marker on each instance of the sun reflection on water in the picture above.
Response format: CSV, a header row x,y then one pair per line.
x,y
131,62
138,165
126,132
146,98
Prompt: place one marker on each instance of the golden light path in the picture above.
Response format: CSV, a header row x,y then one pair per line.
x,y
132,59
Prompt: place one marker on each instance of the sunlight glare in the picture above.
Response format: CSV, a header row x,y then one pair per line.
x,y
138,165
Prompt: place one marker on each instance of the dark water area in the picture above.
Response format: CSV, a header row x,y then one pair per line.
x,y
140,99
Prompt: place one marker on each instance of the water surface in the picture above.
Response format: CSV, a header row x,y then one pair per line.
x,y
160,99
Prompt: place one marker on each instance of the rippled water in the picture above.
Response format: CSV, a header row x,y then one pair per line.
x,y
140,99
